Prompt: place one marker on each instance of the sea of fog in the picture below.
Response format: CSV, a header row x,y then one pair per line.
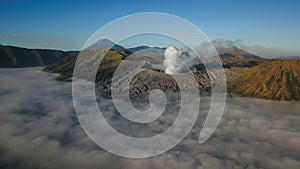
x,y
39,129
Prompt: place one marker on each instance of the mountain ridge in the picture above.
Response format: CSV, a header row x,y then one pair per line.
x,y
273,79
243,79
247,74
234,56
15,57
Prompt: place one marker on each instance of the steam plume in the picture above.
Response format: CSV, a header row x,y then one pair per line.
x,y
172,61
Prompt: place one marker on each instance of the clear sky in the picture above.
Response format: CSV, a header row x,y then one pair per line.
x,y
268,28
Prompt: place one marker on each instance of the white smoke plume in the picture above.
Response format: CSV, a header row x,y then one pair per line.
x,y
172,62
221,43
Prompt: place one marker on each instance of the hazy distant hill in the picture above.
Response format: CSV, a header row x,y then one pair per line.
x,y
146,49
236,57
288,57
274,79
105,43
21,57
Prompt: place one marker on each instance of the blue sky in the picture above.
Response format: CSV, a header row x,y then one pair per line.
x,y
265,27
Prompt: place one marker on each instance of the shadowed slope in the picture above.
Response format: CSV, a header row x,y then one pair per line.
x,y
16,57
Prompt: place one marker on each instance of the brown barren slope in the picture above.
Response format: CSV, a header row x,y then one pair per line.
x,y
274,79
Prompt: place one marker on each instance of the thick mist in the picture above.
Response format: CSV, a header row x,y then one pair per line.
x,y
39,129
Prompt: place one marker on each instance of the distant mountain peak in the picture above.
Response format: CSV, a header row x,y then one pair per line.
x,y
105,43
234,56
145,48
235,49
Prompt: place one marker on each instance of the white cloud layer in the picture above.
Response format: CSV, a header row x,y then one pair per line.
x,y
39,129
